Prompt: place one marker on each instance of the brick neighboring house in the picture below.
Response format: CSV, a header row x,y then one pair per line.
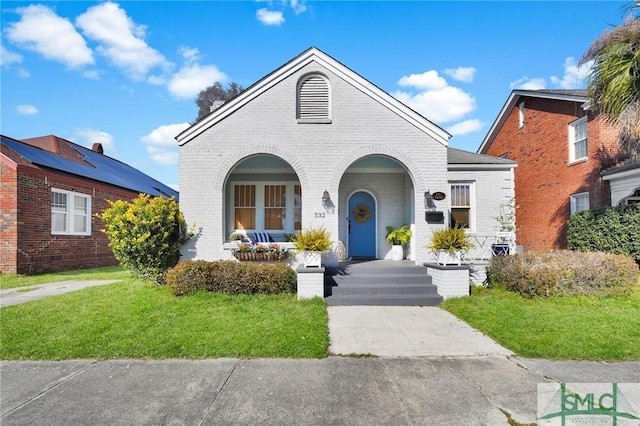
x,y
561,149
51,190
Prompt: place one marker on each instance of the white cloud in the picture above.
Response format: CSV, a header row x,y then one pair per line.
x,y
526,83
464,74
191,79
87,137
8,58
298,6
269,17
429,80
161,144
465,127
26,110
574,76
42,31
435,98
121,40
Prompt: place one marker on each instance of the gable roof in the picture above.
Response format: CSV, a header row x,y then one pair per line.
x,y
308,56
514,99
458,159
52,152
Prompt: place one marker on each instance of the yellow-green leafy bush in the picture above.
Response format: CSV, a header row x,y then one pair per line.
x,y
145,234
564,272
231,277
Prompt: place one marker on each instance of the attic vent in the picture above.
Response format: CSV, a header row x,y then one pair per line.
x,y
313,100
97,147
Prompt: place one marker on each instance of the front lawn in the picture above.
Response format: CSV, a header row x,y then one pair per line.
x,y
133,319
573,327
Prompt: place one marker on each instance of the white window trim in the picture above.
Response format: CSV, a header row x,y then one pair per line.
x,y
572,141
472,199
573,198
289,212
521,114
70,214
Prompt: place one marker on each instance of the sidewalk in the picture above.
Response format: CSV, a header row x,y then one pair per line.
x,y
335,390
14,296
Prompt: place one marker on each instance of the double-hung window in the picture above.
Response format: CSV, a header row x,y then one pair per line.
x,y
578,148
579,202
267,206
70,213
462,208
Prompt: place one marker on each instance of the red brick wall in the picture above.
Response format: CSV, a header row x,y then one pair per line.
x,y
37,249
544,178
8,218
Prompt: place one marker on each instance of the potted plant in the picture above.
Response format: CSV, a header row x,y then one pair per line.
x,y
398,237
449,244
311,243
506,221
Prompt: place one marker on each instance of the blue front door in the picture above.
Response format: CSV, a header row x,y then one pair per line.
x,y
362,226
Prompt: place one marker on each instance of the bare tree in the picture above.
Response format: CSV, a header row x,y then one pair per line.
x,y
215,95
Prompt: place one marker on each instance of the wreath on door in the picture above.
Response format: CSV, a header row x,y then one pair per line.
x,y
361,213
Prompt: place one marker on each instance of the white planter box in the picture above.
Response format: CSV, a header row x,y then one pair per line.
x,y
312,259
397,252
444,257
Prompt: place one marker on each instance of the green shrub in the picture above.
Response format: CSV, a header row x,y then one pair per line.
x,y
312,239
612,230
145,234
450,239
231,277
564,273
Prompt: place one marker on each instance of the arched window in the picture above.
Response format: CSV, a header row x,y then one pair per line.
x,y
313,99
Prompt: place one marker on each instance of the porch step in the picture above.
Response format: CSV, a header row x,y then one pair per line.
x,y
380,282
385,300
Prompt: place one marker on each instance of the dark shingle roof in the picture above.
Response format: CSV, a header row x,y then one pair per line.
x,y
94,166
458,156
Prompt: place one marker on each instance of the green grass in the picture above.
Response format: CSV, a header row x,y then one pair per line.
x,y
577,327
107,273
133,319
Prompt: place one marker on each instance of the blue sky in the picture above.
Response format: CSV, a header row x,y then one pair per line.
x,y
127,73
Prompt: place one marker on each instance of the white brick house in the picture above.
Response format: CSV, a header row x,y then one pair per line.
x,y
267,159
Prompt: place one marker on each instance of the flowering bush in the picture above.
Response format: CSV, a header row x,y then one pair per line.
x,y
259,251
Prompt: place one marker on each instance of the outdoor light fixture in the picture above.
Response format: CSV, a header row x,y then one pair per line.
x,y
326,198
428,201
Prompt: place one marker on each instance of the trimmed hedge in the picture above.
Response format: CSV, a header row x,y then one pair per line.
x,y
564,273
231,277
612,230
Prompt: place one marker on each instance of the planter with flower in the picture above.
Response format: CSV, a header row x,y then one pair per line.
x,y
449,245
311,243
398,237
260,252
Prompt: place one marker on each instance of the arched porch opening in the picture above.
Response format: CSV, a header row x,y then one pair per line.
x,y
376,191
262,195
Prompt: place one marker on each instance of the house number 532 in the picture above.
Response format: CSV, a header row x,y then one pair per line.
x,y
319,215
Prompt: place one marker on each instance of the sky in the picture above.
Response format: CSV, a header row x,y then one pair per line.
x,y
127,73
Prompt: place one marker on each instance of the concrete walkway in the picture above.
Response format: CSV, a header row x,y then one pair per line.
x,y
405,331
14,296
335,390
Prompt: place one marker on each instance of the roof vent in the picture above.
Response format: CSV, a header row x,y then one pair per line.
x,y
97,147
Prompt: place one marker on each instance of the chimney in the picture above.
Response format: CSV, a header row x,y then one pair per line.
x,y
215,105
97,147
